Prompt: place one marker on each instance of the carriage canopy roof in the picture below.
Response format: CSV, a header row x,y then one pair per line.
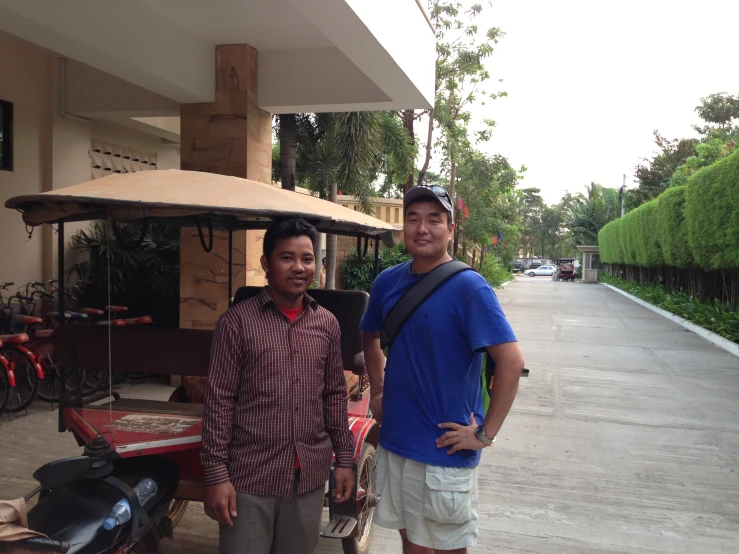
x,y
182,197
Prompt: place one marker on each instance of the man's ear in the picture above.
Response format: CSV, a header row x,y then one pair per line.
x,y
265,263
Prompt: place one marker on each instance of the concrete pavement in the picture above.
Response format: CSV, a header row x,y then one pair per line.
x,y
624,439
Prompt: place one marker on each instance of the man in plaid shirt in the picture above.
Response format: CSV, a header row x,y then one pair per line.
x,y
275,408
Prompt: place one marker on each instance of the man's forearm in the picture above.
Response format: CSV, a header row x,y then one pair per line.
x,y
375,362
502,395
216,436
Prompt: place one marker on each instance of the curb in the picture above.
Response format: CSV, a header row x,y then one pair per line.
x,y
725,344
504,285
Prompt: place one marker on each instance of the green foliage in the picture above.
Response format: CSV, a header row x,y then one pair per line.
x,y
654,175
678,159
721,318
590,212
672,232
712,214
358,274
693,225
487,186
633,239
145,278
494,271
462,49
647,250
609,242
706,153
719,111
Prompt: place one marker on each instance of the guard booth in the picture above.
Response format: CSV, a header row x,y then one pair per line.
x,y
590,263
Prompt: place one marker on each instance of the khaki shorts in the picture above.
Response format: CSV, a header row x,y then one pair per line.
x,y
437,506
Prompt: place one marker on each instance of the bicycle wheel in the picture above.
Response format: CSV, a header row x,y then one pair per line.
x,y
92,382
48,388
5,388
26,380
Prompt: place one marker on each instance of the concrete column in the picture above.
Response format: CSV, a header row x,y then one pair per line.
x,y
230,136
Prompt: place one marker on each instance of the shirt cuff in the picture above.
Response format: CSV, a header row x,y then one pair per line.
x,y
344,459
216,475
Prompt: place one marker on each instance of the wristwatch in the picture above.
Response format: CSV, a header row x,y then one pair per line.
x,y
480,434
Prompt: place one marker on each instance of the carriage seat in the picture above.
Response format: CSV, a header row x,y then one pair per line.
x,y
348,306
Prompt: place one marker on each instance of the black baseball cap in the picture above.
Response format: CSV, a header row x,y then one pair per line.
x,y
434,192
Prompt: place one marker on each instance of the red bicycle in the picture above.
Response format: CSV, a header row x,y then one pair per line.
x,y
24,371
7,382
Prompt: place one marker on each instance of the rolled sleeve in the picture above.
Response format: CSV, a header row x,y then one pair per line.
x,y
220,398
335,414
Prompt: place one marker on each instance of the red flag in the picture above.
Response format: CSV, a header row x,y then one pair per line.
x,y
466,211
495,239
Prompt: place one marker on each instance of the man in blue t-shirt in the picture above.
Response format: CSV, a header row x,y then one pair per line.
x,y
427,395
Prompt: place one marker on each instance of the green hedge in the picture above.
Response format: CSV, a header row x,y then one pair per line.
x,y
696,224
712,214
671,228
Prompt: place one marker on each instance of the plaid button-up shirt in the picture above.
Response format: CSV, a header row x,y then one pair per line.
x,y
274,389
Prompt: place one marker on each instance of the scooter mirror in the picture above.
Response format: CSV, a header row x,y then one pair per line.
x,y
62,472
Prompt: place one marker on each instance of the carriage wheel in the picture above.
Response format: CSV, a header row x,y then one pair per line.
x,y
178,507
366,502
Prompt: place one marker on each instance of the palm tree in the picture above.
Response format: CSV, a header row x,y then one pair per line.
x,y
287,132
590,212
354,149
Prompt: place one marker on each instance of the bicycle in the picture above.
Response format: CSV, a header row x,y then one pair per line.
x,y
7,382
24,371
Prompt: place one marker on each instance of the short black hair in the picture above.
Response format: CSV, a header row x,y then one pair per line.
x,y
285,229
429,200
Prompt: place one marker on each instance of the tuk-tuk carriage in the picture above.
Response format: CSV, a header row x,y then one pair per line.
x,y
565,269
128,439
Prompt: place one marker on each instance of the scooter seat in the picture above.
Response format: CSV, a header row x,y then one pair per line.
x,y
75,513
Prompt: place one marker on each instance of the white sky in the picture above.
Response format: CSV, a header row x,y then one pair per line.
x,y
588,82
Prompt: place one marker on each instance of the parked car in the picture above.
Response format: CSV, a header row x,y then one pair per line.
x,y
541,270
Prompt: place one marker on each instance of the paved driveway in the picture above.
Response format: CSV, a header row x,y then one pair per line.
x,y
625,438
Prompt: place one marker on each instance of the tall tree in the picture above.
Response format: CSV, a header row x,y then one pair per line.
x,y
719,111
287,132
591,212
654,174
486,188
461,50
530,205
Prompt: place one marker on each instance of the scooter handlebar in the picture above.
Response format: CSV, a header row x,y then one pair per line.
x,y
42,544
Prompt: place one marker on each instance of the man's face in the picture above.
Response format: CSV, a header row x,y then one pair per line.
x,y
292,266
426,230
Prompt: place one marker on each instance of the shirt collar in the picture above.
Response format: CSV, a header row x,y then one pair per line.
x,y
266,300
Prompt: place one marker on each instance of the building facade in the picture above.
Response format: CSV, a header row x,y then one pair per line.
x,y
158,84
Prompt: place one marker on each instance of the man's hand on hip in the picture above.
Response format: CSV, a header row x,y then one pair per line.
x,y
461,437
220,503
344,477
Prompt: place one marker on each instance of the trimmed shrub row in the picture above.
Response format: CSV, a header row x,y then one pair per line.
x,y
692,225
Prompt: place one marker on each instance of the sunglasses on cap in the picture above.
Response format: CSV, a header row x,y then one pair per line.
x,y
441,195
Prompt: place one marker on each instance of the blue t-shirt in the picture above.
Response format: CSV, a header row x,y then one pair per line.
x,y
433,370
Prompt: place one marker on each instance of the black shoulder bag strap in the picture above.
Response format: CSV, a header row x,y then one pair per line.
x,y
415,296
